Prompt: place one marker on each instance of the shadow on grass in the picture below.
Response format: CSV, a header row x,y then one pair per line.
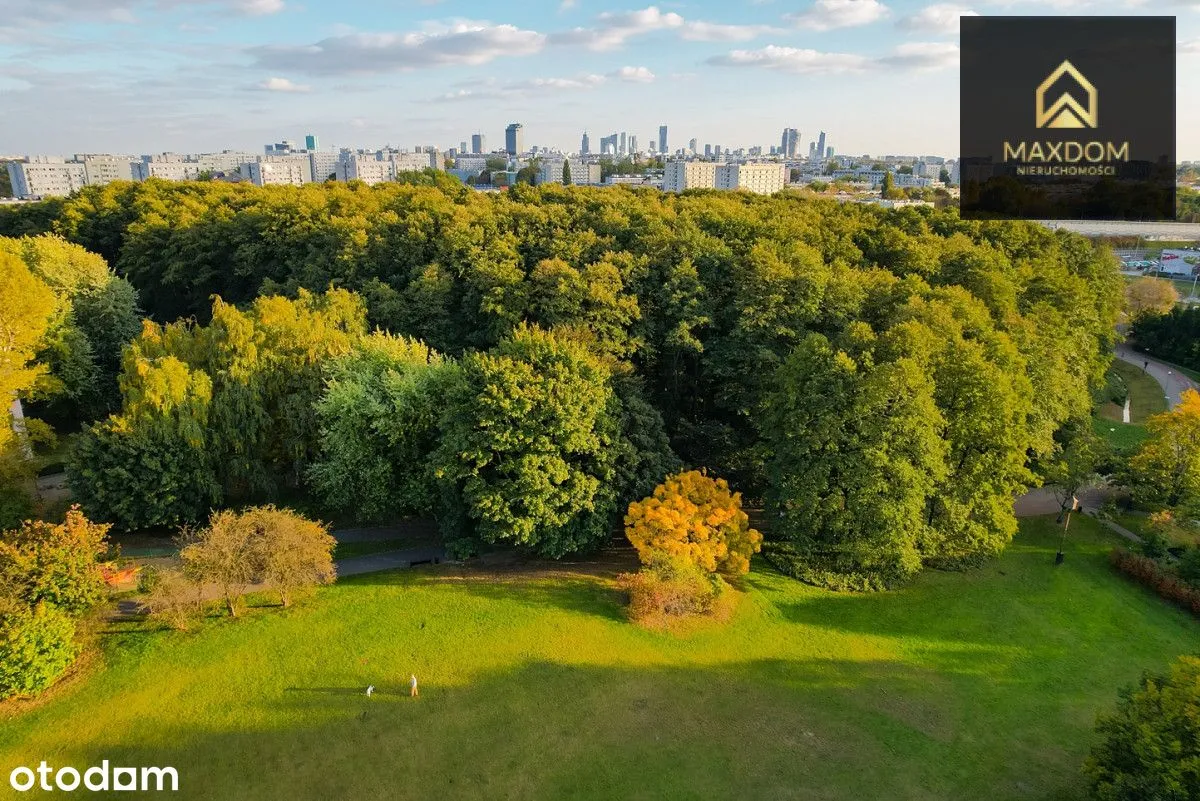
x,y
563,589
830,729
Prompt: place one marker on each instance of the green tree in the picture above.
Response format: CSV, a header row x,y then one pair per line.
x,y
887,188
1149,748
526,452
43,561
290,552
37,645
1165,470
944,175
855,453
566,174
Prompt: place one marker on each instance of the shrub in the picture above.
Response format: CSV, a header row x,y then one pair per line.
x,y
1150,746
43,561
670,587
1189,566
695,518
173,600
36,645
799,563
1161,579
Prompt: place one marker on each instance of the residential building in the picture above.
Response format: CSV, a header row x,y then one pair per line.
x,y
366,168
662,139
99,170
277,172
45,176
322,164
513,139
582,173
680,175
417,161
763,178
166,168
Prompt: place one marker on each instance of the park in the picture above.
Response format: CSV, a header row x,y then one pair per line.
x,y
690,496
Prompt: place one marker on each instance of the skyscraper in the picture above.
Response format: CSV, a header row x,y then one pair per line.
x,y
692,145
513,140
789,145
311,142
821,144
633,144
662,139
621,147
462,146
586,145
708,151
477,143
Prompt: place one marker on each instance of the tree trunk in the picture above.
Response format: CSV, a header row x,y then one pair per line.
x,y
283,597
17,413
229,602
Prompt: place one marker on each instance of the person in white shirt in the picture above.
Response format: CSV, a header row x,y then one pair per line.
x,y
412,687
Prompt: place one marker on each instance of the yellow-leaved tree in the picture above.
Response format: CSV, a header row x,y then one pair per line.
x,y
1165,471
697,518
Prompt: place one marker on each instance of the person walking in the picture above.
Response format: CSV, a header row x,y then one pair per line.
x,y
370,689
412,687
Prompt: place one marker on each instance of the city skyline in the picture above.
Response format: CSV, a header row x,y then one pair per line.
x,y
142,76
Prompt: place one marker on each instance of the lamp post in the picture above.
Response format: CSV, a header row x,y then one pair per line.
x,y
1059,557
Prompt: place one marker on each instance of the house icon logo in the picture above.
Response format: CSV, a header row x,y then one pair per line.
x,y
1066,111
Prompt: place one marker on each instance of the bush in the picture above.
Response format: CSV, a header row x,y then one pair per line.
x,y
37,644
695,518
1150,746
173,600
670,587
800,564
43,561
1161,579
1189,566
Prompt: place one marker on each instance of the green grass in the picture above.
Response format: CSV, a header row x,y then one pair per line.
x,y
981,684
1145,394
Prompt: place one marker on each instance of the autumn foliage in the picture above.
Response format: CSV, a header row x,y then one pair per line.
x,y
697,518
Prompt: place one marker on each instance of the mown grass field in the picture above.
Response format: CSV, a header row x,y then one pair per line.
x,y
982,684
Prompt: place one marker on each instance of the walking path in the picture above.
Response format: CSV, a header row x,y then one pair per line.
x,y
1169,378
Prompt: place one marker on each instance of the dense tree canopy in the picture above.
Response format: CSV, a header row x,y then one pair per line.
x,y
762,331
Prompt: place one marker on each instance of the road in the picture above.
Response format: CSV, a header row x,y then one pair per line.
x,y
1170,379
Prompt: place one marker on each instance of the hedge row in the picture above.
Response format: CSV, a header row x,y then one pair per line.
x,y
1153,574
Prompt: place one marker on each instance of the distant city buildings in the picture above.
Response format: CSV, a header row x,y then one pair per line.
x,y
478,144
513,139
662,139
585,146
311,142
789,143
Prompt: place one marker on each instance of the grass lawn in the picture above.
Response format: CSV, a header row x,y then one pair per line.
x,y
1145,394
982,684
1121,436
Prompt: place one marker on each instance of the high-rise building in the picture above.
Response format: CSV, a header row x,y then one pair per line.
x,y
477,143
708,151
789,145
585,146
462,146
633,148
622,143
820,144
764,179
812,150
829,152
513,140
311,142
662,139
681,175
692,145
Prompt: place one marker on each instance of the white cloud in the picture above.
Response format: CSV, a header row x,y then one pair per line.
x,y
567,5
793,59
258,8
612,29
282,85
716,32
912,55
634,75
1190,47
923,56
826,15
937,18
457,43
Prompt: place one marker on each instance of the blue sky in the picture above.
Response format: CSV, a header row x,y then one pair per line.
x,y
140,76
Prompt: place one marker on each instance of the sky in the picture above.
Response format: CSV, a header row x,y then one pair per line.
x,y
145,76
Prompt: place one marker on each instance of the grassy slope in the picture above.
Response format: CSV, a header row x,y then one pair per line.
x,y
970,685
1146,399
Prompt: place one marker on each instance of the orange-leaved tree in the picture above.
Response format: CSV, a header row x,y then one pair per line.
x,y
694,517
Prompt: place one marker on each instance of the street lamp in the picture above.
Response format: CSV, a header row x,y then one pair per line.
x,y
1058,557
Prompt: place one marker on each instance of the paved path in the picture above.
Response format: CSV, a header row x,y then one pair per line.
x,y
389,560
1169,378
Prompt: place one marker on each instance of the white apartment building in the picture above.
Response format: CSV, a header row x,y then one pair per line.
x,y
764,179
277,172
45,176
681,175
99,170
416,161
581,174
368,169
166,170
322,164
471,165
